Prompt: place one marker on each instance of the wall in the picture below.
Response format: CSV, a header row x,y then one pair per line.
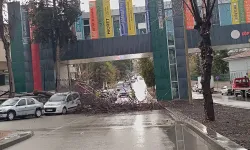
x,y
239,67
2,52
3,63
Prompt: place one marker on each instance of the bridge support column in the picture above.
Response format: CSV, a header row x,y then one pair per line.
x,y
160,49
178,20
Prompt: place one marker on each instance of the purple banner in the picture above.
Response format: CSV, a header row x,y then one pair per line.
x,y
147,16
123,18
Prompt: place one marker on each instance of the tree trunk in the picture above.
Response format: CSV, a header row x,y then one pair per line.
x,y
206,62
7,52
57,66
9,65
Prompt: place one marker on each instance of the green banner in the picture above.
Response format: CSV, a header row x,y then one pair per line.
x,y
242,11
100,18
159,47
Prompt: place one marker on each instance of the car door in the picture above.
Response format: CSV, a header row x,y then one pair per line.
x,y
76,97
21,107
70,102
31,106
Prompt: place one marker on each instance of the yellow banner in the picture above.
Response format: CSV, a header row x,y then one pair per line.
x,y
235,12
108,22
130,17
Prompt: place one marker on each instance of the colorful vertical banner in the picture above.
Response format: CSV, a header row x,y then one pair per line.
x,y
79,31
188,16
241,11
108,22
235,12
130,17
123,18
160,13
147,16
100,16
247,10
35,56
225,14
93,20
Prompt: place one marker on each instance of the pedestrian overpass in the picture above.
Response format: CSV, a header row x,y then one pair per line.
x,y
169,59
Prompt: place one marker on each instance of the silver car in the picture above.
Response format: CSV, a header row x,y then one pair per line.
x,y
19,107
62,103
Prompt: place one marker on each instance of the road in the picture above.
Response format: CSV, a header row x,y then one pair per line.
x,y
231,101
131,131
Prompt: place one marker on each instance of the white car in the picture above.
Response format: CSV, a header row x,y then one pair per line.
x,y
226,91
19,107
122,97
61,103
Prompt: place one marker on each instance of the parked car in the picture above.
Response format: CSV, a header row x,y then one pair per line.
x,y
226,91
62,103
122,97
19,107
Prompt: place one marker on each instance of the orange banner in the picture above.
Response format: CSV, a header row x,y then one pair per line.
x,y
188,16
247,10
93,20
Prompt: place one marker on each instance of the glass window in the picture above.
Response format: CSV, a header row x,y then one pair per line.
x,y
86,22
30,101
75,95
140,17
170,26
169,14
172,55
22,102
57,97
173,72
87,32
175,91
116,18
10,102
69,98
170,38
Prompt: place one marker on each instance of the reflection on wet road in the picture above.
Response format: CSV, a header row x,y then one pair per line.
x,y
144,130
132,131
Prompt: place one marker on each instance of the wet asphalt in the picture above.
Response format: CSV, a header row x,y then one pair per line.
x,y
130,131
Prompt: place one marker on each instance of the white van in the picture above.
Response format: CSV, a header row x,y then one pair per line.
x,y
61,103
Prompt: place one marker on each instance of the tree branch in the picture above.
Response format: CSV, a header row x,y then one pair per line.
x,y
188,7
211,11
197,16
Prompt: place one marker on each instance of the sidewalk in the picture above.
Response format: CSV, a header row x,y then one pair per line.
x,y
225,100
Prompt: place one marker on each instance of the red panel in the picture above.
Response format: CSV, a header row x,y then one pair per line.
x,y
36,66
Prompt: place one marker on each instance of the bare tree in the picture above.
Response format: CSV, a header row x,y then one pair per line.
x,y
4,32
203,26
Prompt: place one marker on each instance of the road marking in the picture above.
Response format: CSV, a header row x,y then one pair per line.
x,y
60,127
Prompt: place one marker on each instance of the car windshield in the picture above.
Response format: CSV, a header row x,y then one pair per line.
x,y
10,102
57,98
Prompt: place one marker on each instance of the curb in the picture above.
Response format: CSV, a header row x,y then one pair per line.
x,y
221,142
15,140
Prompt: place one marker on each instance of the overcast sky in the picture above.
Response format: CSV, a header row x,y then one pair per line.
x,y
113,3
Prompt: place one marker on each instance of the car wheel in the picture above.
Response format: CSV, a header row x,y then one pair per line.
x,y
64,111
38,113
11,115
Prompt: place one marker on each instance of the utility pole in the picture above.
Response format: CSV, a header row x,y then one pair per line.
x,y
190,98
